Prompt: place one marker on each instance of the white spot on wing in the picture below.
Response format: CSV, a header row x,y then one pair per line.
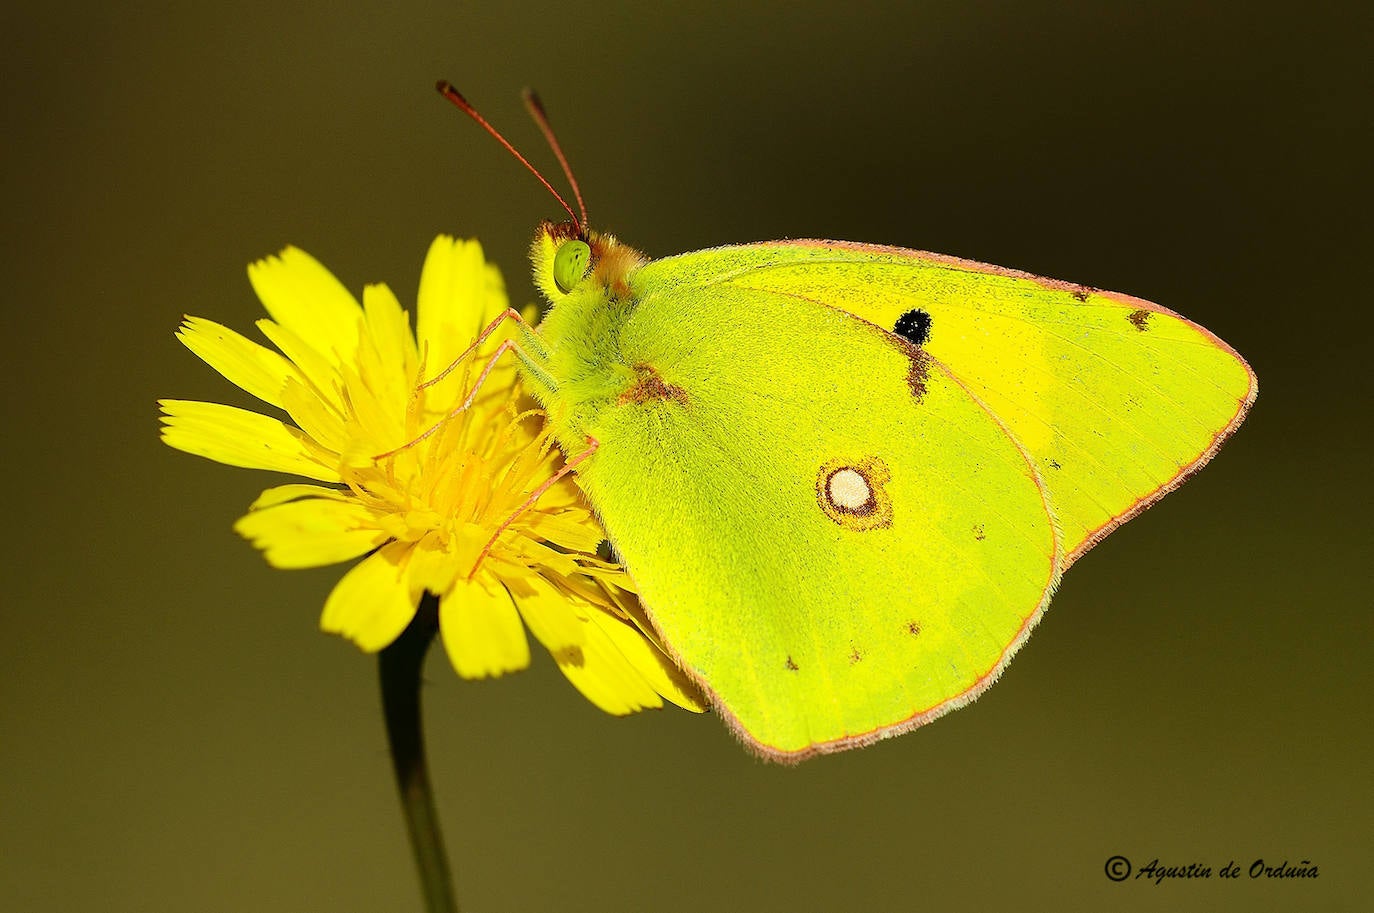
x,y
849,490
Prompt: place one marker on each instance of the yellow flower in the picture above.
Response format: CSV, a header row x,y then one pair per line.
x,y
349,379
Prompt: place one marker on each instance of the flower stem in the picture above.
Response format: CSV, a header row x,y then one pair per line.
x,y
400,667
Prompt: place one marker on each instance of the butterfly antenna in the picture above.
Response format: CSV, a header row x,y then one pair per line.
x,y
541,117
447,90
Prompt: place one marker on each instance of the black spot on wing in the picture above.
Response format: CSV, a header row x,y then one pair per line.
x,y
914,326
791,665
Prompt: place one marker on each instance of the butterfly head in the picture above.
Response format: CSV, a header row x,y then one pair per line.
x,y
568,259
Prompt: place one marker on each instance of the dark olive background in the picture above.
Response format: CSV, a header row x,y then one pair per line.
x,y
177,735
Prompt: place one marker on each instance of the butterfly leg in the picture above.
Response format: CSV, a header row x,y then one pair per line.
x,y
568,466
530,363
527,336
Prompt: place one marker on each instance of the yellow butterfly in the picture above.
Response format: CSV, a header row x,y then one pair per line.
x,y
847,478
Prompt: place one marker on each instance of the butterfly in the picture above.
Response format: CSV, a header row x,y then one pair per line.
x,y
846,478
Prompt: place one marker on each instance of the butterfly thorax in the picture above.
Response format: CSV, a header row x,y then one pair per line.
x,y
582,328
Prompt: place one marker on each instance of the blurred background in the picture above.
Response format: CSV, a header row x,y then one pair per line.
x,y
176,734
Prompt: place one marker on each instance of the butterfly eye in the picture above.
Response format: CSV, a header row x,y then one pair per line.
x,y
570,264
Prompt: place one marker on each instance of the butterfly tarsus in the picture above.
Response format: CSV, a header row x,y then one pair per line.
x,y
568,466
507,345
508,314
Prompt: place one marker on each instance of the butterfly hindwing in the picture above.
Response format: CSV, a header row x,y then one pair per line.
x,y
831,531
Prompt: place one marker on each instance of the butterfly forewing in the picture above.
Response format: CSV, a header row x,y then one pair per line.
x,y
1117,399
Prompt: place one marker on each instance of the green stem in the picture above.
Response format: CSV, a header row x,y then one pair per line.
x,y
400,667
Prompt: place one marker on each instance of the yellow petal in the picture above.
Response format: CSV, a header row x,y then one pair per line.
x,y
515,552
381,385
320,373
370,605
238,437
280,494
549,614
243,362
311,414
614,574
304,297
601,672
312,532
661,673
587,589
482,631
388,329
459,294
572,530
435,567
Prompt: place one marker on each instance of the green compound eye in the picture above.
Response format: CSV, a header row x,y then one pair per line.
x,y
570,264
